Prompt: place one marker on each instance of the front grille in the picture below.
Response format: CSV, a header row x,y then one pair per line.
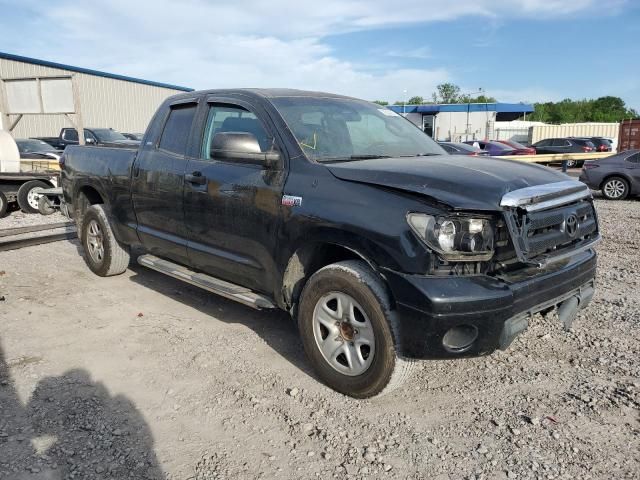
x,y
554,230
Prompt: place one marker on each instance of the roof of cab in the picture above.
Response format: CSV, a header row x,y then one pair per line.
x,y
262,93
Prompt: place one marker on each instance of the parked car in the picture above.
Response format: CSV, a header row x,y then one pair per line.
x,y
600,144
495,149
33,149
519,148
617,176
134,136
102,137
347,216
565,145
459,148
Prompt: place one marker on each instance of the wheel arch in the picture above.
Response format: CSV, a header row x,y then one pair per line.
x,y
311,257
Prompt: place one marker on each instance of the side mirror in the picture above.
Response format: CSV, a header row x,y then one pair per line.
x,y
242,147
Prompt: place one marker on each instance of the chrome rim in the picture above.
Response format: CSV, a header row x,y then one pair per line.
x,y
343,333
33,197
95,242
614,188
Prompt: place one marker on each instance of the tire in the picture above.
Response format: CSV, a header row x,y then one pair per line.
x,y
103,254
615,188
44,206
27,199
4,204
571,163
372,328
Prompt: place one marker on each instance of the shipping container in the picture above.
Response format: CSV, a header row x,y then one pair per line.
x,y
629,137
540,132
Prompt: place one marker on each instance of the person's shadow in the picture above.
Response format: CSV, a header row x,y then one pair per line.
x,y
72,427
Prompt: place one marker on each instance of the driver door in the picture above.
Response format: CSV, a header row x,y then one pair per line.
x,y
232,207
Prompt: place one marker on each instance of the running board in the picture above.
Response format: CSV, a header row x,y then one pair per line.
x,y
207,282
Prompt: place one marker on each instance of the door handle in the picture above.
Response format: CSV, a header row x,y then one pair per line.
x,y
196,177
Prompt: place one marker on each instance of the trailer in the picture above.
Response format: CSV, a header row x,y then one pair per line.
x,y
25,188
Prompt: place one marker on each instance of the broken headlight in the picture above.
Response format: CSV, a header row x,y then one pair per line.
x,y
456,238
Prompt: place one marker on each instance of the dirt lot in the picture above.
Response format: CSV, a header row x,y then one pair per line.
x,y
140,376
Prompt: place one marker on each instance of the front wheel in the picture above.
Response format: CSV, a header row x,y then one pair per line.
x,y
615,188
104,255
347,329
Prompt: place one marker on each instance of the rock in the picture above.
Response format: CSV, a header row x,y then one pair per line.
x,y
293,392
482,450
387,467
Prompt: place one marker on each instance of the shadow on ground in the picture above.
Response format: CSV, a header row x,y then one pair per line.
x,y
71,427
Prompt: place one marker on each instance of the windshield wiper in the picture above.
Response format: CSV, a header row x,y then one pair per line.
x,y
420,155
353,158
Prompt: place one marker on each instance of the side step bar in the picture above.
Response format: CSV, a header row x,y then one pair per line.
x,y
206,282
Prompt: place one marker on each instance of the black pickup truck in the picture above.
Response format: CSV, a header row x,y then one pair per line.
x,y
383,247
101,137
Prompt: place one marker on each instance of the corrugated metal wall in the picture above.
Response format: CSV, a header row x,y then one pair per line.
x,y
540,132
105,102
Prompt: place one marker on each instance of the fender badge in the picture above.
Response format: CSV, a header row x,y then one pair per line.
x,y
291,201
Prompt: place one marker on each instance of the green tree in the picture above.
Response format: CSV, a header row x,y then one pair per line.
x,y
415,101
446,93
384,103
603,109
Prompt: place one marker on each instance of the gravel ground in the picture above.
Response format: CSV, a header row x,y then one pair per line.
x,y
141,376
17,218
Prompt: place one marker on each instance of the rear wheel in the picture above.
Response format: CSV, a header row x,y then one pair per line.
x,y
615,188
28,197
104,255
4,204
347,329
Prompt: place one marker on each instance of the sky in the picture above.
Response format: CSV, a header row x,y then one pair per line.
x,y
515,50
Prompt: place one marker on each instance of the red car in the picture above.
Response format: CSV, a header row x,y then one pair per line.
x,y
521,149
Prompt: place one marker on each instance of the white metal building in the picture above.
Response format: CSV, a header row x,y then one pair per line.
x,y
462,121
106,100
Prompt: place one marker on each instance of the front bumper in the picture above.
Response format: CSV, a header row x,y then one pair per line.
x,y
496,309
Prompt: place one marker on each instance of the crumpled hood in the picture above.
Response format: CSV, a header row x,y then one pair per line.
x,y
462,182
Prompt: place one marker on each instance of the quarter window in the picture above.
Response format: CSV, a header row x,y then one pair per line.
x,y
70,135
635,158
231,118
177,128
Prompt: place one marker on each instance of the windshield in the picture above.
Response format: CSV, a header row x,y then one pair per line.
x,y
34,146
108,135
335,129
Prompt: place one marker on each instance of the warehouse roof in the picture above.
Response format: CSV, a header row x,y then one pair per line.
x,y
45,63
464,107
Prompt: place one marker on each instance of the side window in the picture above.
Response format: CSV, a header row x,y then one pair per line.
x,y
544,143
231,118
70,134
177,128
88,135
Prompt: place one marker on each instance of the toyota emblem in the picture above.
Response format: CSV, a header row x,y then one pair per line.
x,y
571,225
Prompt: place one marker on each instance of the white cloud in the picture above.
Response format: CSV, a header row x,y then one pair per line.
x,y
211,44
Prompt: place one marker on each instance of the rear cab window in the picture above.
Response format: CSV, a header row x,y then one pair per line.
x,y
177,128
